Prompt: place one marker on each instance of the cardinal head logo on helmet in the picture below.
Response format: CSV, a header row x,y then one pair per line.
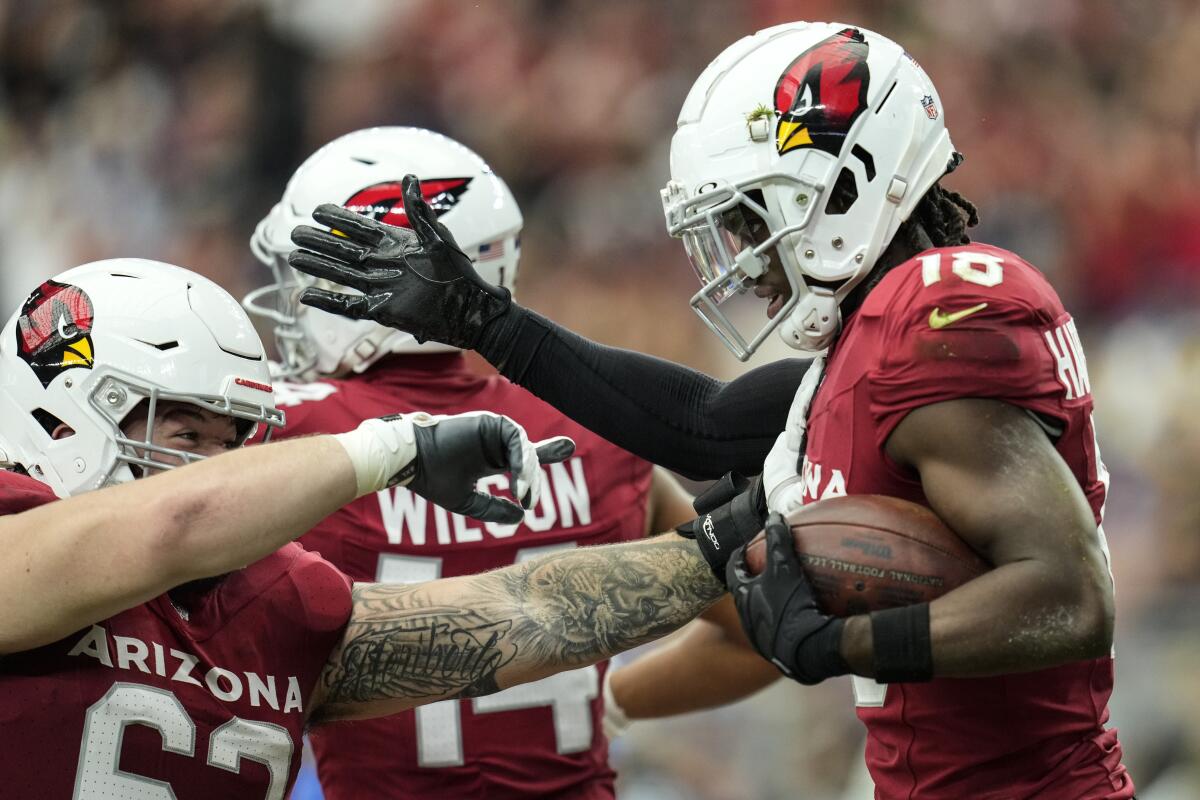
x,y
820,95
384,202
54,330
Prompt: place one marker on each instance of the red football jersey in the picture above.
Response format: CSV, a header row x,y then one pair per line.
x,y
541,739
973,321
158,702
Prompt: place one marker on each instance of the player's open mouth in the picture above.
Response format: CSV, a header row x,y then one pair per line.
x,y
777,299
775,305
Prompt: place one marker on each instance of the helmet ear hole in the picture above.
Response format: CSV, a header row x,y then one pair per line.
x,y
48,421
830,286
843,194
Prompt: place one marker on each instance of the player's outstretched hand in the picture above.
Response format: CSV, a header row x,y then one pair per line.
x,y
441,458
779,611
455,452
417,281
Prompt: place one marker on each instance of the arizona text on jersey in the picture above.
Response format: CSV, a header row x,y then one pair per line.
x,y
162,701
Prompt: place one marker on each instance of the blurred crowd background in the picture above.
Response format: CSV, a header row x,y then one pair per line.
x,y
167,128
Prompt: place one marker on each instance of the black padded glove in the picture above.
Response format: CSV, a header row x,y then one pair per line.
x,y
732,512
453,453
417,281
779,612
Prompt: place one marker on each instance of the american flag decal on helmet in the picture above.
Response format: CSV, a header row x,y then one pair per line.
x,y
490,251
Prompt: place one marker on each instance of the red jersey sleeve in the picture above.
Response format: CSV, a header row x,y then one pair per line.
x,y
967,321
20,493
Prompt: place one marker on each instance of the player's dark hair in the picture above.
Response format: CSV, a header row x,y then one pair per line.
x,y
943,215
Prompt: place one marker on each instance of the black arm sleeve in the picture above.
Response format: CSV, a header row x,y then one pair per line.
x,y
666,413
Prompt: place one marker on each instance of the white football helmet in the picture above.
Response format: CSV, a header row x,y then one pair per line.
x,y
824,137
90,345
362,171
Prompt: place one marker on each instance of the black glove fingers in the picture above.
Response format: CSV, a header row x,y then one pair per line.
x,y
323,266
330,244
737,575
493,432
356,227
781,547
492,509
353,306
555,449
432,233
420,215
337,248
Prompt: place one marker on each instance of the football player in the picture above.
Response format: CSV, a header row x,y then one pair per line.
x,y
540,739
806,166
142,658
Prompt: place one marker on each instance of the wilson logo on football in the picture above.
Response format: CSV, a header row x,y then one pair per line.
x,y
821,93
54,330
384,202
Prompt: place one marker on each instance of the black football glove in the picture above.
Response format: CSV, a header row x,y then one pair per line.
x,y
732,512
779,612
453,453
417,281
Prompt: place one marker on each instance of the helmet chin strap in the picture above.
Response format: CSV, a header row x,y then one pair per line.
x,y
817,318
813,324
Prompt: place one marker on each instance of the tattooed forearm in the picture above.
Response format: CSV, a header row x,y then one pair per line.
x,y
422,652
581,606
464,637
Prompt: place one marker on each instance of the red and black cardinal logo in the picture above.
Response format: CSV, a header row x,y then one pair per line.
x,y
385,201
821,93
54,330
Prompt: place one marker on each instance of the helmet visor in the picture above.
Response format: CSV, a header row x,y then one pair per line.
x,y
709,249
729,251
722,247
731,239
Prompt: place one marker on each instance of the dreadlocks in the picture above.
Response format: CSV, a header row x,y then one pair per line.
x,y
940,219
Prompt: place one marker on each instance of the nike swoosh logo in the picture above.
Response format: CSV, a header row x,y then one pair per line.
x,y
939,320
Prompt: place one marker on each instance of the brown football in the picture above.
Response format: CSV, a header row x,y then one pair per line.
x,y
869,552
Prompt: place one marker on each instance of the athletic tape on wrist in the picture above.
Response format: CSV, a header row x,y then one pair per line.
x,y
383,451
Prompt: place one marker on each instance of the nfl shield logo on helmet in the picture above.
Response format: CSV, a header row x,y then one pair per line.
x,y
929,106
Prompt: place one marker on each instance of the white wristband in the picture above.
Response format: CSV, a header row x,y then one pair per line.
x,y
381,448
615,721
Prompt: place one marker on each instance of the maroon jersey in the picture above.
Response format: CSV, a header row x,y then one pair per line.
x,y
541,739
164,702
972,321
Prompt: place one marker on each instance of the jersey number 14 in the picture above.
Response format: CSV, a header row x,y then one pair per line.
x,y
568,694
